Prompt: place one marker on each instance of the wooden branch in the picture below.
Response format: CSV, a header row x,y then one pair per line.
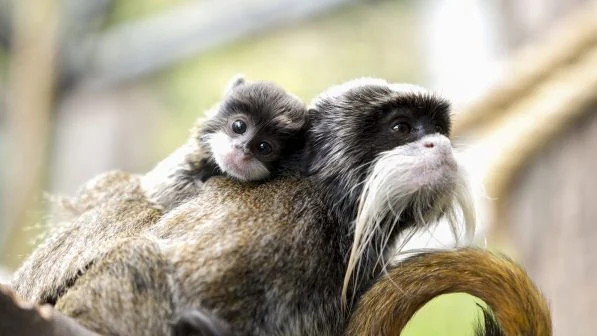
x,y
6,7
20,318
31,83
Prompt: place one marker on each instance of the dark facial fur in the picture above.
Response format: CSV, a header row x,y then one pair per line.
x,y
257,128
363,122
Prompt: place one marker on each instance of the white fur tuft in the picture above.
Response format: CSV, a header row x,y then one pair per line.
x,y
220,145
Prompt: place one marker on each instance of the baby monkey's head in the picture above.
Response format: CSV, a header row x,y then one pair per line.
x,y
255,130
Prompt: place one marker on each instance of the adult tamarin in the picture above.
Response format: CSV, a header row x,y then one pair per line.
x,y
273,258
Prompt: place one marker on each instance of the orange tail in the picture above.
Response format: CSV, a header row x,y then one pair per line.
x,y
517,305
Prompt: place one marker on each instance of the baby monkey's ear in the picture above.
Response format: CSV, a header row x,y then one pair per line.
x,y
237,80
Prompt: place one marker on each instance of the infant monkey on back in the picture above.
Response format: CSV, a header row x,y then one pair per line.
x,y
255,133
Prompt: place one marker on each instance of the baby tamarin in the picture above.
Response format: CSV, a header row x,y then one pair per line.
x,y
252,135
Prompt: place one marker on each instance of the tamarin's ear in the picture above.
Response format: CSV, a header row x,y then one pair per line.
x,y
237,80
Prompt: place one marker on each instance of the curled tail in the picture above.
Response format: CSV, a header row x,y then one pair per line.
x,y
516,305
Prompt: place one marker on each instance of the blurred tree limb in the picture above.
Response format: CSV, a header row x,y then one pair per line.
x,y
24,319
31,84
5,23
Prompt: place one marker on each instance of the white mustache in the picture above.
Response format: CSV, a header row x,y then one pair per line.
x,y
426,181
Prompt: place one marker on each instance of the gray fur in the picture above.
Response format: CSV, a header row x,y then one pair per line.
x,y
108,207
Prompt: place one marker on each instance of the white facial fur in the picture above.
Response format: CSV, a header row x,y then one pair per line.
x,y
233,161
423,176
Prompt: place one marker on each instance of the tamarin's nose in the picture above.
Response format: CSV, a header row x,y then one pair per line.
x,y
436,142
241,147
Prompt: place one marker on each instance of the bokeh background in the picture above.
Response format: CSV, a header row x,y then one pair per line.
x,y
87,86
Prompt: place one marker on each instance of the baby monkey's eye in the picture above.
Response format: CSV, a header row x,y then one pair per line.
x,y
239,127
402,128
439,129
264,148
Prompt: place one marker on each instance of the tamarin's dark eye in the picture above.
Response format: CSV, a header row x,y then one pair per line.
x,y
402,128
239,127
264,148
439,129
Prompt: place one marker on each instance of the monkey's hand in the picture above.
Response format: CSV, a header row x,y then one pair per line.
x,y
179,176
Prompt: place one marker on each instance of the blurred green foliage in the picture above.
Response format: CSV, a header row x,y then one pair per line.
x,y
126,10
453,314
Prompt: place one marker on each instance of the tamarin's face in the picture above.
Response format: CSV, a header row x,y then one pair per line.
x,y
257,126
392,142
361,122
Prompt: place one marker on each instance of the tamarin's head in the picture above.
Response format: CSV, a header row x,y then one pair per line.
x,y
385,148
255,128
358,122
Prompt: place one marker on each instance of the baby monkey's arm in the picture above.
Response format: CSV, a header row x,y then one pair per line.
x,y
181,174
